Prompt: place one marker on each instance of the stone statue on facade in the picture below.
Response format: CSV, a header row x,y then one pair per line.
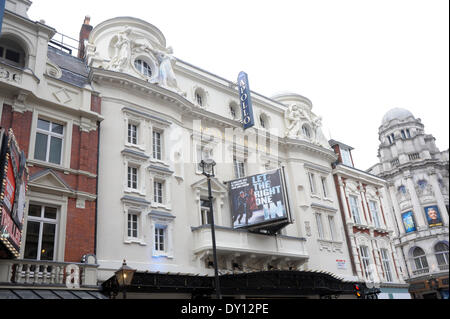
x,y
122,51
294,117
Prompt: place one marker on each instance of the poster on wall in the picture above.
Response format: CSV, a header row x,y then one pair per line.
x,y
433,216
408,222
259,200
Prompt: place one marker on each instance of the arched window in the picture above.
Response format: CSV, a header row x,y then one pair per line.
x,y
420,260
264,121
233,111
306,131
441,252
143,67
11,52
200,97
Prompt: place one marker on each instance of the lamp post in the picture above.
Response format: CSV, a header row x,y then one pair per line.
x,y
208,171
124,277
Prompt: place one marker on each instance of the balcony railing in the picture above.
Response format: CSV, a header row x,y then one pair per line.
x,y
421,271
243,242
47,273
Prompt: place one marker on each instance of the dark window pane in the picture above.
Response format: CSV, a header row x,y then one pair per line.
x,y
44,125
50,212
57,128
48,242
55,150
12,56
34,210
1,52
32,239
40,148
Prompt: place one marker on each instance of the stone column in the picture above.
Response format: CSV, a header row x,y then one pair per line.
x,y
417,207
438,195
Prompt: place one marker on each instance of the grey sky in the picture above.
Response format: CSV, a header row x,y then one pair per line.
x,y
354,59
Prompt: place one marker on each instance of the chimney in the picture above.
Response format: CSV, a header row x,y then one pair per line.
x,y
85,31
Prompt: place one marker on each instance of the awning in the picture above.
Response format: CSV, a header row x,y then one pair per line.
x,y
264,283
13,293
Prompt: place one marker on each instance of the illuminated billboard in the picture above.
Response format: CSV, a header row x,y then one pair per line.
x,y
259,201
14,178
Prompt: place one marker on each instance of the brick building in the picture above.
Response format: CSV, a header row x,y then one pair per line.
x,y
47,99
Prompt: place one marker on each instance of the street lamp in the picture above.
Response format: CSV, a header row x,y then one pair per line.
x,y
124,277
208,171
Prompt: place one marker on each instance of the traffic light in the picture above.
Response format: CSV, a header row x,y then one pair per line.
x,y
357,291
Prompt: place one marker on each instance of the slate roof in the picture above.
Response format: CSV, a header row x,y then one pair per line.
x,y
74,70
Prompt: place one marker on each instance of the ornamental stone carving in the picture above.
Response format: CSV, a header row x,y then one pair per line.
x,y
301,123
127,46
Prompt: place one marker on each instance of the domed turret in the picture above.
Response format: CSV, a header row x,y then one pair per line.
x,y
396,114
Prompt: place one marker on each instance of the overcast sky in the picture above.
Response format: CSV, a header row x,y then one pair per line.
x,y
354,59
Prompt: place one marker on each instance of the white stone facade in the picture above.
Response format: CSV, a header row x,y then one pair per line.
x,y
160,116
418,176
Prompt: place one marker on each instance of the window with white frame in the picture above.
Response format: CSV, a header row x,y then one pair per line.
x,y
353,200
49,142
157,144
239,168
133,225
312,183
132,133
205,208
365,259
319,225
11,52
374,211
441,252
132,178
42,227
143,67
346,157
158,192
160,242
420,260
386,264
332,227
324,186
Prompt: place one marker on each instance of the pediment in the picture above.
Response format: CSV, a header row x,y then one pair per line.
x,y
49,181
216,185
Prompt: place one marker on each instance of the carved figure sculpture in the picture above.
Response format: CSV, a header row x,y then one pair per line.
x,y
294,117
166,75
122,55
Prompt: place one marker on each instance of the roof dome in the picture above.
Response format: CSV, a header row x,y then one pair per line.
x,y
397,114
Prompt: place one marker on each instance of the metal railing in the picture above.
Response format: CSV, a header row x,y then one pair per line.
x,y
65,43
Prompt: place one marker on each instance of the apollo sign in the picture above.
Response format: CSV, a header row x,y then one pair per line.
x,y
245,101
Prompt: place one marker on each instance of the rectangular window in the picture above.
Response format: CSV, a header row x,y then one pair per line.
x,y
312,183
157,145
160,234
365,258
158,192
346,157
49,142
332,227
319,225
132,177
408,133
386,264
354,209
40,240
403,134
132,134
239,168
205,207
324,187
132,225
374,210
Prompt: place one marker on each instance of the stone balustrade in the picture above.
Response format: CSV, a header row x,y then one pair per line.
x,y
47,273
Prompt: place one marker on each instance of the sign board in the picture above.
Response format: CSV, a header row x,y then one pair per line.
x,y
14,179
433,216
2,13
245,101
341,264
408,222
259,201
